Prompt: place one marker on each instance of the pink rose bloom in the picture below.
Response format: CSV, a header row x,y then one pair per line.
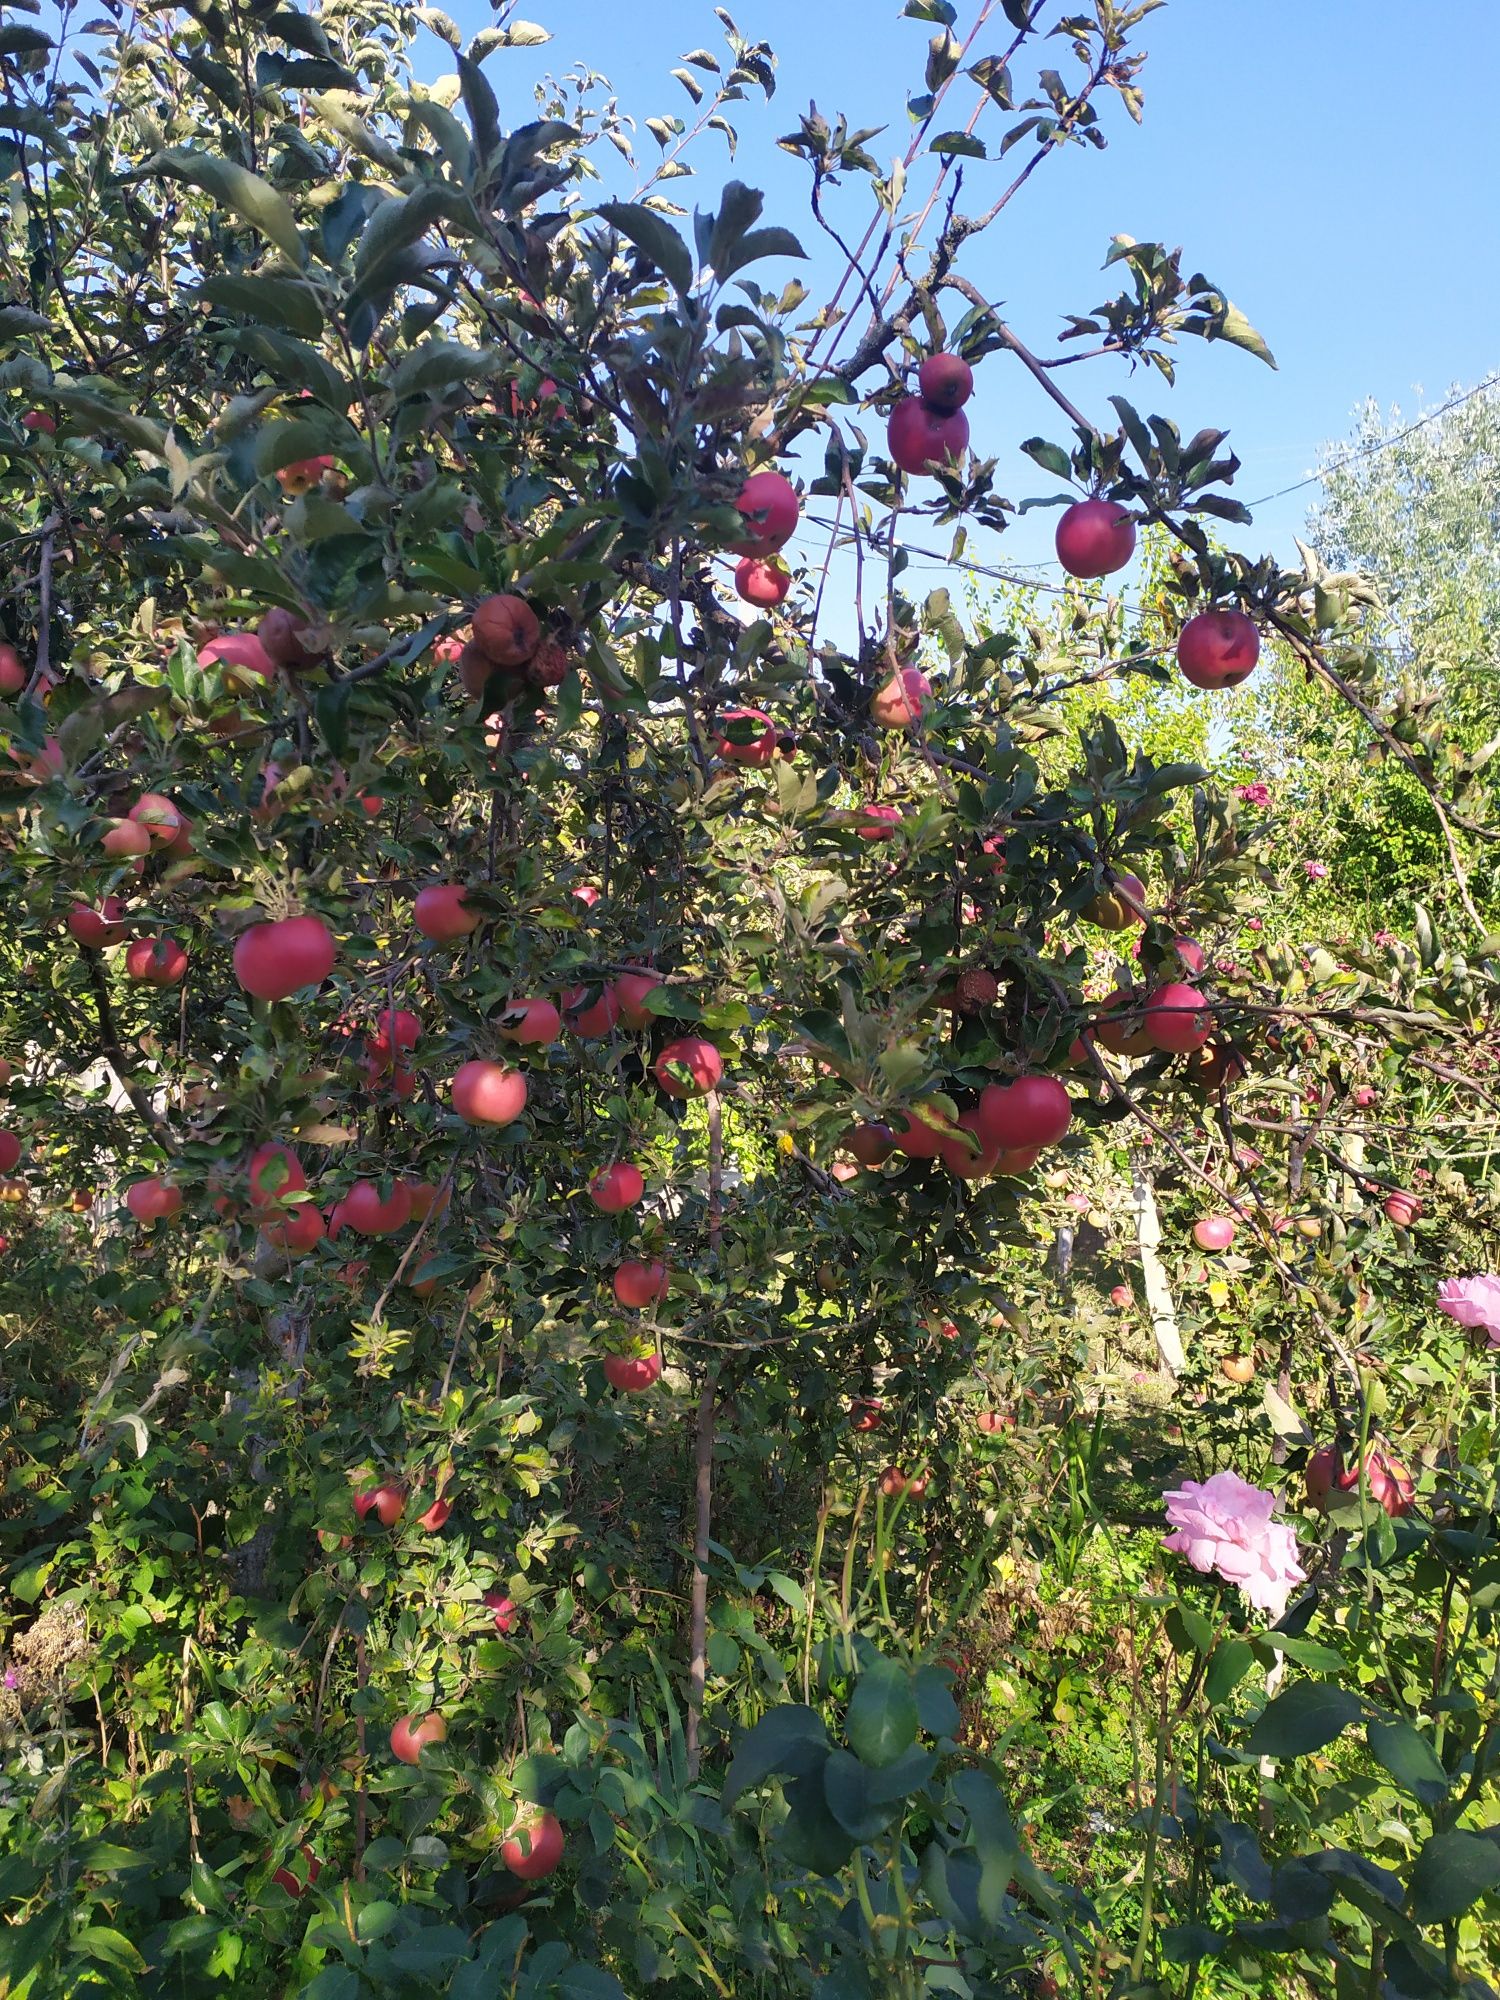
x,y
1473,1302
1317,871
1225,1526
1254,924
1254,795
1385,939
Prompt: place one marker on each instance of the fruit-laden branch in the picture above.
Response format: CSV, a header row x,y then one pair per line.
x,y
113,1051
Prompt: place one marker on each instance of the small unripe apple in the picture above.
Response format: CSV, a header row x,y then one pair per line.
x,y
1218,649
1095,538
945,382
412,1733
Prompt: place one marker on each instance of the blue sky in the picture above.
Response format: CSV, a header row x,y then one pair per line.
x,y
1320,160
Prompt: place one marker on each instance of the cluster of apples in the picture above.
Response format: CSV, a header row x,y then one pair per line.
x,y
506,640
1388,1481
768,501
929,432
1004,1132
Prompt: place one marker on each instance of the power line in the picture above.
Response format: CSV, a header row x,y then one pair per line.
x,y
1381,444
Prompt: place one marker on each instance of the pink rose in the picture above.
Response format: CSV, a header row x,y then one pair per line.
x,y
1224,1525
1254,924
1254,795
1385,939
1317,871
1473,1302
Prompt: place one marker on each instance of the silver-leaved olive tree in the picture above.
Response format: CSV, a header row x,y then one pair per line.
x,y
563,1028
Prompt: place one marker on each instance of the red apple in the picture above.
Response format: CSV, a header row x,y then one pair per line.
x,y
155,961
921,439
412,1733
1032,1111
13,670
284,636
746,736
871,1143
387,1502
98,929
1214,1232
688,1067
631,988
877,822
864,1413
124,838
945,382
1401,1208
150,1200
639,1284
240,652
487,1093
506,630
591,1011
762,581
363,1210
1113,908
903,699
39,420
534,1848
1178,1019
529,1021
435,1516
441,913
1121,1296
274,960
1218,649
631,1372
770,505
503,1609
1128,1036
616,1188
1095,538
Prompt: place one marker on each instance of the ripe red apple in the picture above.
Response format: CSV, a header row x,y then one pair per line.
x,y
631,1372
916,1138
586,893
1178,1019
487,1093
1112,908
591,1011
504,1611
1032,1111
11,1150
960,1159
1390,1483
241,652
284,636
1401,1208
1128,1036
1218,649
412,1733
1322,1474
425,1197
124,838
286,1878
614,1189
506,630
387,1502
441,913
274,1172
770,505
436,1516
155,961
631,988
762,581
1095,538
871,1143
529,1021
1190,954
13,671
6,1072
894,1483
638,1284
688,1067
1214,1232
39,420
150,1200
877,822
303,474
396,1032
990,1421
1215,1063
1017,1160
921,439
864,1413
1122,1296
98,929
363,1210
534,1848
1365,1095
736,723
903,699
273,960
300,1230
945,382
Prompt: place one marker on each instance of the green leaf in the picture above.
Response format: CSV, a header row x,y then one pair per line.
x,y
655,239
788,1741
810,1836
109,1947
255,201
937,1711
438,365
1451,1873
882,1722
862,1799
1233,326
1050,457
1406,1754
1232,1660
993,1833
963,144
1305,1718
279,302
